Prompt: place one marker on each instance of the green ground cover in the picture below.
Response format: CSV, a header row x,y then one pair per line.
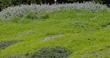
x,y
85,33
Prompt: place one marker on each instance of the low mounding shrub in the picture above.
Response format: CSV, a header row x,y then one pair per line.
x,y
40,10
51,52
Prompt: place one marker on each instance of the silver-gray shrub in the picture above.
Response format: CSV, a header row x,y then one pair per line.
x,y
22,10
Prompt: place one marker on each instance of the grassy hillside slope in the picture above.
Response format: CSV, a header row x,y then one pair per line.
x,y
85,33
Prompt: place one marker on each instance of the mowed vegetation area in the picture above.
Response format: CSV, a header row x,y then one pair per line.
x,y
63,31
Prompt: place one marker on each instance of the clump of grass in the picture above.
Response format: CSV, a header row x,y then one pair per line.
x,y
51,52
4,44
32,15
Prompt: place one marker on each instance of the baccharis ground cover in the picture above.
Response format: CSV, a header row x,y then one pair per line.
x,y
83,32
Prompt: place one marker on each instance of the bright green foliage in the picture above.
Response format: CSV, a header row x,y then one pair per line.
x,y
85,33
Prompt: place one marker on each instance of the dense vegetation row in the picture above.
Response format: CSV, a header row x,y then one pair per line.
x,y
6,3
37,11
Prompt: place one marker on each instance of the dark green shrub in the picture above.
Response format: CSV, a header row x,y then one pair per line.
x,y
99,1
7,3
79,0
51,52
18,2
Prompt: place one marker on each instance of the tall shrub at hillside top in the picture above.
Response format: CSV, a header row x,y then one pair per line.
x,y
79,0
7,3
18,2
99,1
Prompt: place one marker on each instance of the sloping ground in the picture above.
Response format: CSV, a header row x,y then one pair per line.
x,y
84,33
